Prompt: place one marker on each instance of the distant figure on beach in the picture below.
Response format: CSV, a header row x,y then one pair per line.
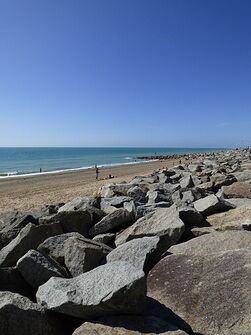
x,y
40,170
97,172
180,161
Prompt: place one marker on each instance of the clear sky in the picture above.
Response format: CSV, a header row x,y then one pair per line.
x,y
125,73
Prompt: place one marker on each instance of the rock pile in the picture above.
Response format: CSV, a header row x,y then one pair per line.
x,y
168,253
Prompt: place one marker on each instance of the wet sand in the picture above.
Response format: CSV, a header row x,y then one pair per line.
x,y
29,193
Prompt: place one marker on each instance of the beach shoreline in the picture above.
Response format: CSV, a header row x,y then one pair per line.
x,y
31,192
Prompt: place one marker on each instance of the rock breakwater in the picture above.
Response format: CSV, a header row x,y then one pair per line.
x,y
167,253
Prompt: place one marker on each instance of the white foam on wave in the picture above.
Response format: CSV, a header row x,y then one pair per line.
x,y
32,174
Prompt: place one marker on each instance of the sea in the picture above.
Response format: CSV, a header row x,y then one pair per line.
x,y
32,161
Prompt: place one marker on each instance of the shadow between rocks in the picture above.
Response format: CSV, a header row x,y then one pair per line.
x,y
155,308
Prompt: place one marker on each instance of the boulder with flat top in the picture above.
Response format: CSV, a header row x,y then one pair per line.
x,y
114,288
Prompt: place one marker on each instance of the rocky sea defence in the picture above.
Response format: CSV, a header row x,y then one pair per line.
x,y
167,253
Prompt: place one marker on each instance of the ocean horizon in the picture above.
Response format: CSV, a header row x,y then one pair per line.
x,y
30,160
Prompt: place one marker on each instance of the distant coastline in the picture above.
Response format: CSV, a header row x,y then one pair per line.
x,y
32,174
25,162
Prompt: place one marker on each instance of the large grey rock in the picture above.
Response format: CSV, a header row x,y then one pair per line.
x,y
11,224
211,204
156,196
71,221
144,180
130,206
199,231
143,210
113,222
220,180
240,202
211,293
176,197
79,203
167,189
176,177
163,222
141,252
28,238
163,178
82,255
188,197
114,288
207,186
195,167
36,269
209,163
111,190
186,182
54,246
243,175
11,280
107,239
214,242
116,201
128,325
137,194
15,220
18,315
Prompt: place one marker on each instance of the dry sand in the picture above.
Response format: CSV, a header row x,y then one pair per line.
x,y
29,193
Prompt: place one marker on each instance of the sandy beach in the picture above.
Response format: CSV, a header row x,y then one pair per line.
x,y
33,192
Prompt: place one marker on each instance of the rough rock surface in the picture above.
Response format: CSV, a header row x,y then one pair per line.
x,y
237,190
11,224
116,288
211,204
243,175
82,255
214,242
239,202
107,238
79,203
141,252
238,218
163,222
137,194
18,315
54,246
36,269
112,222
202,282
116,202
71,221
28,238
186,182
128,325
212,293
111,190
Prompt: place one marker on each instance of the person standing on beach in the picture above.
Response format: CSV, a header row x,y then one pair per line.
x,y
97,172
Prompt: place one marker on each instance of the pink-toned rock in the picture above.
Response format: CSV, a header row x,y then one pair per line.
x,y
211,293
237,190
237,218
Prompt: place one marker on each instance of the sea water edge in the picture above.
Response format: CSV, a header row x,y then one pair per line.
x,y
22,162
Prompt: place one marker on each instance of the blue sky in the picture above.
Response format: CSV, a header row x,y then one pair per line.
x,y
125,73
